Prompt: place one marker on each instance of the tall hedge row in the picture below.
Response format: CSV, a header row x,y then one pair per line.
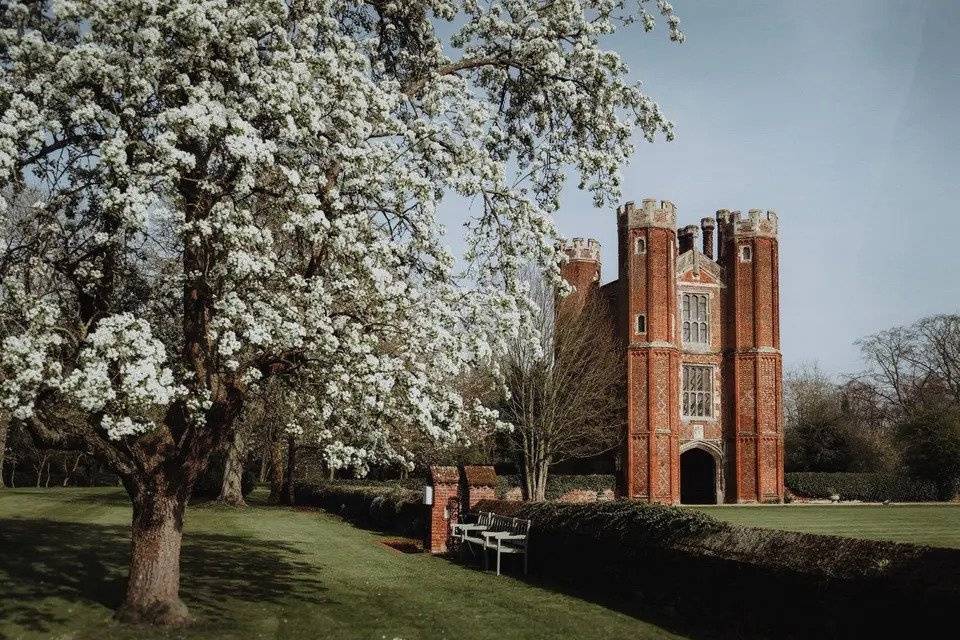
x,y
866,487
378,506
740,580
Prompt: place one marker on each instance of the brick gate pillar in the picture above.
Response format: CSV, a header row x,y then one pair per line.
x,y
444,510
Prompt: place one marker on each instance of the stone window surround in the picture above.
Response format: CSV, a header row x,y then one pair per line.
x,y
715,408
700,345
640,323
640,246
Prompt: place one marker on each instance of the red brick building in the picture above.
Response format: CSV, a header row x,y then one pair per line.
x,y
701,333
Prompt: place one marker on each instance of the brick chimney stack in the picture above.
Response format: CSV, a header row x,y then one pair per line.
x,y
724,221
708,225
688,237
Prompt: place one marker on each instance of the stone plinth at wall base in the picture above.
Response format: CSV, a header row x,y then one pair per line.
x,y
445,510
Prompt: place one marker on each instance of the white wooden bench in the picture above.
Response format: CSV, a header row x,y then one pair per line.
x,y
496,533
462,529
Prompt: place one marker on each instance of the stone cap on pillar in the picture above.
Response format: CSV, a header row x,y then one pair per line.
x,y
444,475
479,476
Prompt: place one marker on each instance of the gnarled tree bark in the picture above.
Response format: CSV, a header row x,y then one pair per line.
x,y
153,587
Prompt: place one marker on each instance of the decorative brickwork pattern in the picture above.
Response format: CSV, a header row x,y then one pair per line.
x,y
742,433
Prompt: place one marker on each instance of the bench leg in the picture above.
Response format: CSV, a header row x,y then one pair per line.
x,y
498,561
524,562
486,560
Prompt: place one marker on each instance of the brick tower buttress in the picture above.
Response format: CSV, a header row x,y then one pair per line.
x,y
648,257
582,270
753,369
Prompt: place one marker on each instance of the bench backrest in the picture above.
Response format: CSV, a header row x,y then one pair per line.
x,y
503,523
512,525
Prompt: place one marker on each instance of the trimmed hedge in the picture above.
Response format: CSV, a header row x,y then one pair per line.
x,y
740,580
866,487
559,484
377,506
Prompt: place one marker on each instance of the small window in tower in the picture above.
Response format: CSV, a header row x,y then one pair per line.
x,y
746,253
640,246
641,323
695,316
697,397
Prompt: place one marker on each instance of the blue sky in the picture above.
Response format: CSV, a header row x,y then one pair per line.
x,y
844,117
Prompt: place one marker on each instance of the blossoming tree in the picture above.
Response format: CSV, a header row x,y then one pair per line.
x,y
244,190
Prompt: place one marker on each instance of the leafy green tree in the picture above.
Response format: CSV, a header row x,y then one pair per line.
x,y
930,437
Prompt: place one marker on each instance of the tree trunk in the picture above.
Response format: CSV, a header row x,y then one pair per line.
x,y
290,480
68,473
153,587
231,491
540,482
264,468
4,427
43,463
277,474
535,479
535,466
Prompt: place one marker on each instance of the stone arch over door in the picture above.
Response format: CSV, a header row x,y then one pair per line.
x,y
702,470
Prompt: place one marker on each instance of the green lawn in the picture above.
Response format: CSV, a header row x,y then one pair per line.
x,y
931,524
265,572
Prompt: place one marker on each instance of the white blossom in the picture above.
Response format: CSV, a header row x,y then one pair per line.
x,y
234,191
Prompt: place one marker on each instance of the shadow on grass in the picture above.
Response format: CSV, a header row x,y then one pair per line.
x,y
87,564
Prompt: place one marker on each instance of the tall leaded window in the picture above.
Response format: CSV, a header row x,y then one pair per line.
x,y
697,401
695,315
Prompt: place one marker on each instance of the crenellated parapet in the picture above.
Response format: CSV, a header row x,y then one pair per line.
x,y
756,223
650,213
586,249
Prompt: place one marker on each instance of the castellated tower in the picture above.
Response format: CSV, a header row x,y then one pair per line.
x,y
752,366
582,270
700,332
648,242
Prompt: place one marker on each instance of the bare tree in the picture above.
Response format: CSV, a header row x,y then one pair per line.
x,y
907,364
915,370
565,388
